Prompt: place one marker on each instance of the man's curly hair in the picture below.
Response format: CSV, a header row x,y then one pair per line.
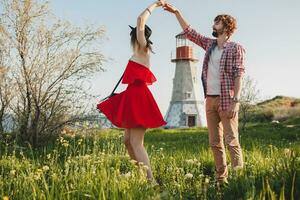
x,y
229,23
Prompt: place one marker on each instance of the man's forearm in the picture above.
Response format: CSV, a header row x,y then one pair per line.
x,y
238,86
183,23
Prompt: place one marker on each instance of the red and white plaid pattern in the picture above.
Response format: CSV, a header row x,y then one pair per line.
x,y
231,64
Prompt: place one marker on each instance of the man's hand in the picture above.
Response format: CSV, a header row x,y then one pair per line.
x,y
168,7
233,110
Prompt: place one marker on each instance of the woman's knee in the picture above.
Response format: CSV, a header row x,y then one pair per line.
x,y
136,137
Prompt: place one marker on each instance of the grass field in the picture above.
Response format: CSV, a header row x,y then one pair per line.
x,y
94,165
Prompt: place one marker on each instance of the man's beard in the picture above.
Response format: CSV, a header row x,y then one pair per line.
x,y
216,33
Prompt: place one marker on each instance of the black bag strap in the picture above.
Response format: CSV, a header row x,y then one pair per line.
x,y
117,85
112,93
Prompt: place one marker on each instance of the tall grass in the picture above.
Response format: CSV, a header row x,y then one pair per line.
x,y
94,165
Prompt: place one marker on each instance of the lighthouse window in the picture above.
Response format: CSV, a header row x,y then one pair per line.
x,y
188,95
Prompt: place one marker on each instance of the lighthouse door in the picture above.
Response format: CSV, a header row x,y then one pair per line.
x,y
191,120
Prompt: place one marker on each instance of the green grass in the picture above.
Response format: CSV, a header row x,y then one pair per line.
x,y
96,166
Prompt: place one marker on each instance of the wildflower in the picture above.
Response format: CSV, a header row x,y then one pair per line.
x,y
61,139
54,176
287,152
22,154
12,172
206,180
65,143
145,167
177,184
80,141
86,124
5,198
86,157
190,161
37,176
201,175
127,175
189,175
45,168
133,161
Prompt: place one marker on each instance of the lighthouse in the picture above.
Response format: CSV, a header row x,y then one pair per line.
x,y
186,108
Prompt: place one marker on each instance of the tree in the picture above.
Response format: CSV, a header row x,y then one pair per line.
x,y
51,61
6,83
249,96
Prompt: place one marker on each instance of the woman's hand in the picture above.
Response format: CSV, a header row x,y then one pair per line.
x,y
160,3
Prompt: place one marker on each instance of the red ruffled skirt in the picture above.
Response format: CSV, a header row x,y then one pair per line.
x,y
134,107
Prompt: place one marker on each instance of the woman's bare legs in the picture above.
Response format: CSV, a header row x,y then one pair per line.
x,y
137,143
127,144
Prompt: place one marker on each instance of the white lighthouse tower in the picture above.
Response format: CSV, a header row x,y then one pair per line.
x,y
186,107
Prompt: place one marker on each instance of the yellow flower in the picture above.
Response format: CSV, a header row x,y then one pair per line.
x,y
37,176
140,163
45,168
127,175
206,180
287,152
189,175
86,124
133,161
190,161
5,198
145,167
12,172
65,144
80,141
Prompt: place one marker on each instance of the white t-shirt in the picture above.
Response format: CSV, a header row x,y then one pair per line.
x,y
213,74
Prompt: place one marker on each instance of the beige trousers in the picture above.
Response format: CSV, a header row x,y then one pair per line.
x,y
221,127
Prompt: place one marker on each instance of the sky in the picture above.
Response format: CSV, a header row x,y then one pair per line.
x,y
269,30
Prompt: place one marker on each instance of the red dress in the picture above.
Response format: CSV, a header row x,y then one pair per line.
x,y
134,107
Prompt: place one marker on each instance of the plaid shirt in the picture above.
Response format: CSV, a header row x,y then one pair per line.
x,y
231,64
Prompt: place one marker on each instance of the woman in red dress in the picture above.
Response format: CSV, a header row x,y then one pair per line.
x,y
135,108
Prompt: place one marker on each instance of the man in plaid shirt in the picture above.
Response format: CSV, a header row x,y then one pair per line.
x,y
223,69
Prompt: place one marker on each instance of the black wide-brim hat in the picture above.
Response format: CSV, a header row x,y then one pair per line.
x,y
148,33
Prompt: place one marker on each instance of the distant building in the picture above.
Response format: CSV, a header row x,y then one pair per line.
x,y
186,108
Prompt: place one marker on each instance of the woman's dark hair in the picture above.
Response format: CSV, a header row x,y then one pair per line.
x,y
148,33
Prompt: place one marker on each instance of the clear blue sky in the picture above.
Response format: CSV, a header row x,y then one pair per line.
x,y
269,30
